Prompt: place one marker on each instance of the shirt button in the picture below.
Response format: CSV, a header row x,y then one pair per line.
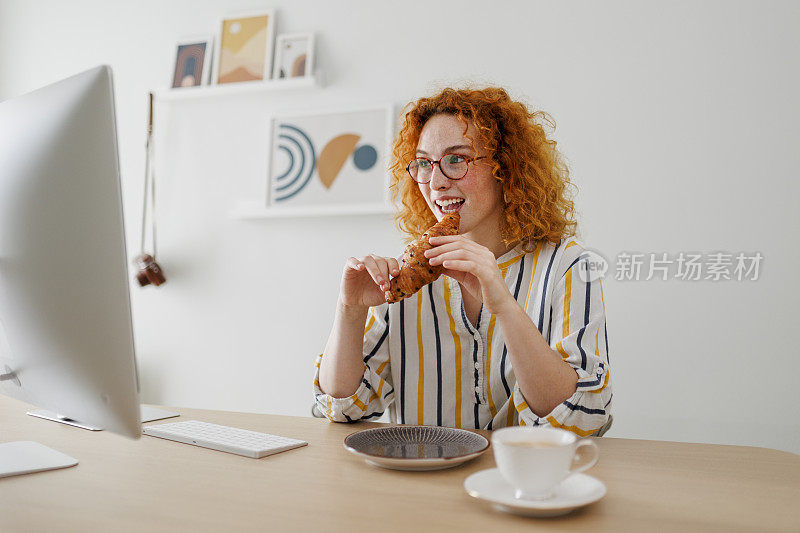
x,y
477,366
477,389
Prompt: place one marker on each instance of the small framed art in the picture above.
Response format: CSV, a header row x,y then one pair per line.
x,y
192,62
244,49
331,161
294,55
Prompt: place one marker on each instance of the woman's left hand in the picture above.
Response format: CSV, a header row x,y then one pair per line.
x,y
474,267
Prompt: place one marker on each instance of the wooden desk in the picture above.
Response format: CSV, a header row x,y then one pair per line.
x,y
158,485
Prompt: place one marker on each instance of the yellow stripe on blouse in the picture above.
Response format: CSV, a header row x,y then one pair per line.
x,y
530,285
488,365
567,300
605,382
574,429
457,345
370,321
510,417
504,266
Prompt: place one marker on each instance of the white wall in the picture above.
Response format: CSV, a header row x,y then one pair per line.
x,y
679,121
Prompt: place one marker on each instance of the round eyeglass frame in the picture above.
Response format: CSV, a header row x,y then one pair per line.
x,y
438,162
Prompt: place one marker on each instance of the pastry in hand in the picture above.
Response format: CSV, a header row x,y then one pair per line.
x,y
416,272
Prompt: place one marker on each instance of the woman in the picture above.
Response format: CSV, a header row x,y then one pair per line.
x,y
510,334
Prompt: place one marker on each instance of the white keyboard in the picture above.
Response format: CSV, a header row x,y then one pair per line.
x,y
223,438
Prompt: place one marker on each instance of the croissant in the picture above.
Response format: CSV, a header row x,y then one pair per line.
x,y
416,272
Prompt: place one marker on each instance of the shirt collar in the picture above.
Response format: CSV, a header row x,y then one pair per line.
x,y
511,254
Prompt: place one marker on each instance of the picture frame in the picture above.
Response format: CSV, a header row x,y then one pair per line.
x,y
331,161
193,59
244,47
294,55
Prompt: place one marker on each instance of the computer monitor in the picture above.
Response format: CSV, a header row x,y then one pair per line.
x,y
66,336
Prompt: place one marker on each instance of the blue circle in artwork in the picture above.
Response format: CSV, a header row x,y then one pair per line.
x,y
365,157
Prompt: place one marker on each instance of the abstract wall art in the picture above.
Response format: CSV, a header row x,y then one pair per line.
x,y
192,62
245,48
330,159
294,56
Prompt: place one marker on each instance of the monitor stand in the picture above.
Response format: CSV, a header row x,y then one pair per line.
x,y
26,457
55,417
148,414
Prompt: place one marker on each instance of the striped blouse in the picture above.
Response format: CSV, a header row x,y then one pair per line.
x,y
429,365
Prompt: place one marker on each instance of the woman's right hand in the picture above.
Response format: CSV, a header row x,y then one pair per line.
x,y
366,279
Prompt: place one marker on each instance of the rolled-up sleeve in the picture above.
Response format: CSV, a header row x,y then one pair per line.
x,y
579,335
375,393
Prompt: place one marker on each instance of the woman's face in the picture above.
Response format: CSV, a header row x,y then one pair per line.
x,y
478,194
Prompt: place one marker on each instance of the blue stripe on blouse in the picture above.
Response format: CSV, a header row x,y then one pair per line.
x,y
402,362
573,264
585,321
380,341
584,409
544,291
477,398
597,380
586,384
438,359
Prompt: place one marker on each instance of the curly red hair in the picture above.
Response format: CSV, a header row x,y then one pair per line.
x,y
534,175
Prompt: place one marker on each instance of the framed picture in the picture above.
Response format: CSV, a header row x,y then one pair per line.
x,y
330,162
294,55
244,50
192,62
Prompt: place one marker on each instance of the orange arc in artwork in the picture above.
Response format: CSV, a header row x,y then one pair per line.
x,y
333,156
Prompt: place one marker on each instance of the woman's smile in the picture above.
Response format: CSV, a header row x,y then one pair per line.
x,y
448,204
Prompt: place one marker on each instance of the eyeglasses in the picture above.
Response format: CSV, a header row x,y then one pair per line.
x,y
454,166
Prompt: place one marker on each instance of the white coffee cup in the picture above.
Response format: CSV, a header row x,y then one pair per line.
x,y
535,460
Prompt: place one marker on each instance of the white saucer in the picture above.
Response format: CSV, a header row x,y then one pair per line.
x,y
575,491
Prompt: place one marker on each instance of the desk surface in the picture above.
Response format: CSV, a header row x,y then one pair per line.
x,y
158,485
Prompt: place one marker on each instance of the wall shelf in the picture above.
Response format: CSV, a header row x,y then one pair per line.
x,y
251,211
246,87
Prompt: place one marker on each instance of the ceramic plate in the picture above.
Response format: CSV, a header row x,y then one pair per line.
x,y
575,491
416,447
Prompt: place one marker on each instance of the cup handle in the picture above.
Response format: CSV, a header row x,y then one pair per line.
x,y
587,466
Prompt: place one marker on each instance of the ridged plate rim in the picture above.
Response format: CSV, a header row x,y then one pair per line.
x,y
475,453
